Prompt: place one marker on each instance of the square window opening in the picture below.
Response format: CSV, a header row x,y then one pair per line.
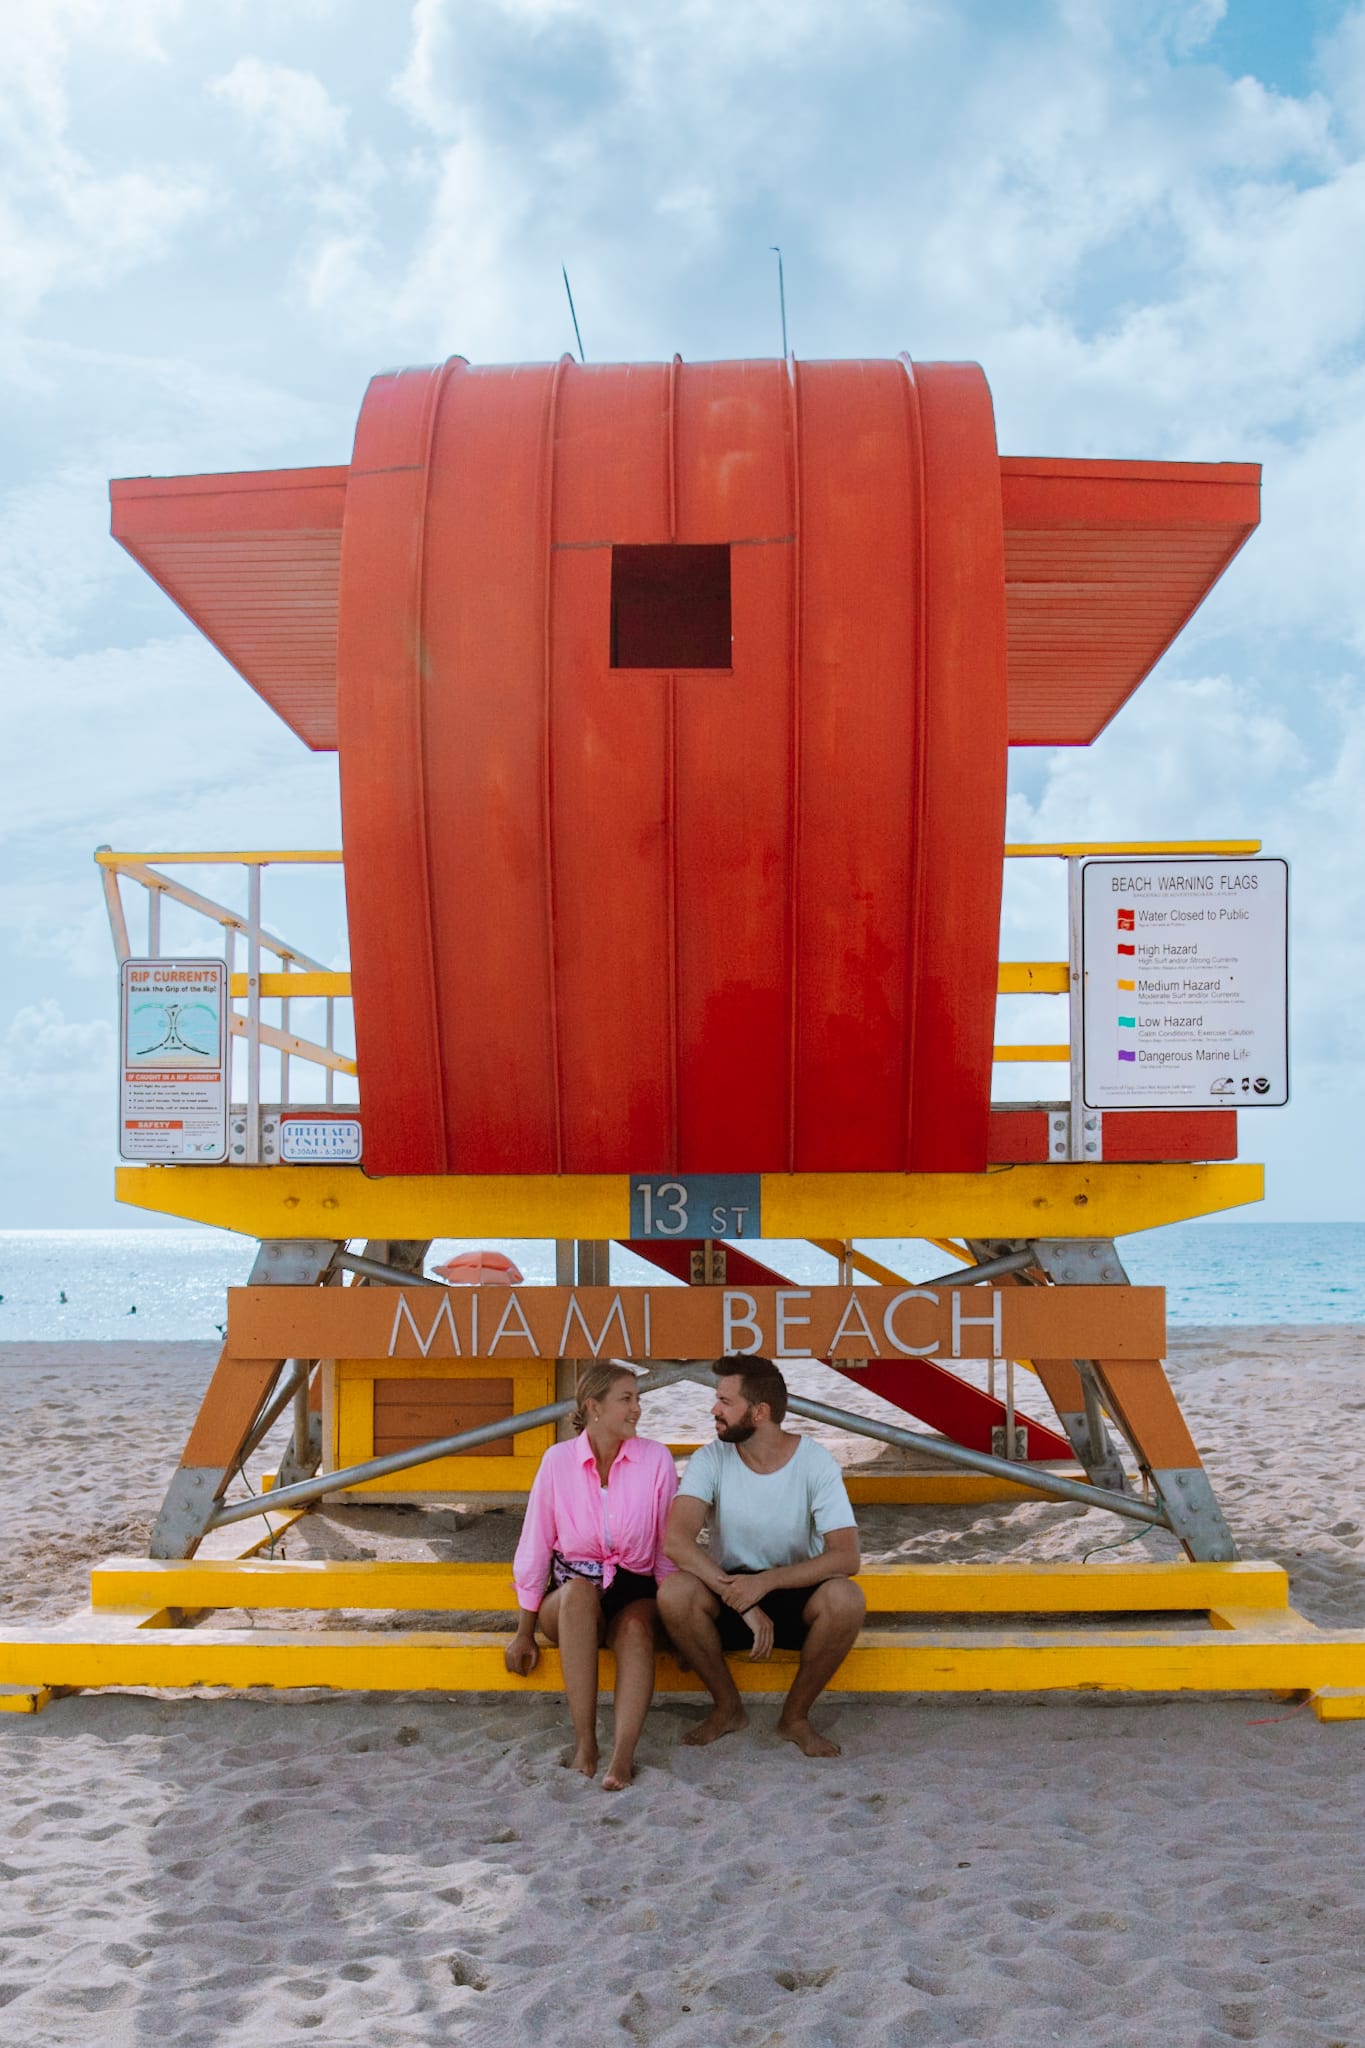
x,y
670,607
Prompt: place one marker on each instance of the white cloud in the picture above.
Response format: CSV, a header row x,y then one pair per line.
x,y
41,1046
64,221
291,112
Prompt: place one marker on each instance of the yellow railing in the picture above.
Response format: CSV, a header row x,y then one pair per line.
x,y
1087,849
1053,977
301,977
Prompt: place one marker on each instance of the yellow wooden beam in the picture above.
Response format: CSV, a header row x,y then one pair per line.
x,y
297,1048
1339,1703
940,1489
1056,1200
943,1489
292,856
861,1262
1031,1055
302,984
891,1661
420,1586
1083,849
1033,978
1064,849
25,1699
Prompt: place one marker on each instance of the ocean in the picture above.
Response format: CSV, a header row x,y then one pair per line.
x,y
168,1285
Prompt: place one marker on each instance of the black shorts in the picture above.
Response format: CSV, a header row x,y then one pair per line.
x,y
624,1588
785,1608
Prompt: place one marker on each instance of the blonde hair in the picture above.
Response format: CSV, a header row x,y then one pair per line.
x,y
596,1381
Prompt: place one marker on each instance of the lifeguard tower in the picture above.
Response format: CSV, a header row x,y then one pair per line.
x,y
672,705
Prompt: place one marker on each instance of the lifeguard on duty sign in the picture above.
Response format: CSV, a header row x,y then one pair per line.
x,y
1185,1001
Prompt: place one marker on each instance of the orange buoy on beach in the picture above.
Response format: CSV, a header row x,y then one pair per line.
x,y
478,1269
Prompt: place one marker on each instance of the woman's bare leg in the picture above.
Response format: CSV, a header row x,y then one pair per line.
x,y
631,1636
572,1618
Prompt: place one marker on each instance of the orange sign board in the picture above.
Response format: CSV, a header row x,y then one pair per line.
x,y
640,1323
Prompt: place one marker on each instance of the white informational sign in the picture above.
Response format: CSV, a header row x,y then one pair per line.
x,y
173,1068
313,1139
1185,979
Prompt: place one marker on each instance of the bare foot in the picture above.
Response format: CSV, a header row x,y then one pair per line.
x,y
807,1739
584,1759
620,1771
720,1721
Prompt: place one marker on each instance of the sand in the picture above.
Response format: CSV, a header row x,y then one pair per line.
x,y
372,1869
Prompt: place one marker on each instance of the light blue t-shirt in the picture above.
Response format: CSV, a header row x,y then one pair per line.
x,y
763,1519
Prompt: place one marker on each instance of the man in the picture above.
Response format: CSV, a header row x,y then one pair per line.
x,y
783,1551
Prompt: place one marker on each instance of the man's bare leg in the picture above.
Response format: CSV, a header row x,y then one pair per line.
x,y
631,1639
835,1613
689,1609
572,1618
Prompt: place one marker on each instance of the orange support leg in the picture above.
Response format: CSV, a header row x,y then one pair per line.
x,y
1138,1395
234,1398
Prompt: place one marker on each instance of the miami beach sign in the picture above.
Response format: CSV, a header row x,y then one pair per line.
x,y
1185,1000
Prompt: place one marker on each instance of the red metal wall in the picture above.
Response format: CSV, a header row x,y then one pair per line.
x,y
630,920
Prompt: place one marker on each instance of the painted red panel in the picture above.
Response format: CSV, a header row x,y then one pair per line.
x,y
731,784
610,737
859,746
1019,1137
1140,1136
383,789
486,694
962,760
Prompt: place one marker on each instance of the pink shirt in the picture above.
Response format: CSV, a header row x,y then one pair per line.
x,y
567,1513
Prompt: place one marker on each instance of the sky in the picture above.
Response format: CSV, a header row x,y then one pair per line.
x,y
1144,218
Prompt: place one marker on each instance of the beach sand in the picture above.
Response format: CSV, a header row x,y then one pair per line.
x,y
375,1869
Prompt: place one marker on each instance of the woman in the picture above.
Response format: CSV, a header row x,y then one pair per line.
x,y
588,1563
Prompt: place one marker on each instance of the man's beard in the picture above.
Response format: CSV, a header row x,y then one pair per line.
x,y
735,1432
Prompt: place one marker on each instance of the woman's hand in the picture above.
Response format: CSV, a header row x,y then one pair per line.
x,y
522,1654
762,1627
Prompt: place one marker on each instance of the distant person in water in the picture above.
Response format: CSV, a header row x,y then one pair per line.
x,y
589,1561
783,1549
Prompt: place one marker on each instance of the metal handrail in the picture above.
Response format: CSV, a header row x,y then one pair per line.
x,y
1040,1478
310,978
302,976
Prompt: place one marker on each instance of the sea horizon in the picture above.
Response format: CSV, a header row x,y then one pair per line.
x,y
168,1283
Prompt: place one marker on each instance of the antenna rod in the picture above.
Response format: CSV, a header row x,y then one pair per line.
x,y
576,335
782,297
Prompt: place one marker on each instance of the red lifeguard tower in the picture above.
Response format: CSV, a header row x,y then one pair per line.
x,y
672,705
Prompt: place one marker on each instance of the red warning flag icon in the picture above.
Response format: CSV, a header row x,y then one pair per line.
x,y
1125,918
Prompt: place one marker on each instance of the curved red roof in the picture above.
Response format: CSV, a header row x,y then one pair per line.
x,y
1105,562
